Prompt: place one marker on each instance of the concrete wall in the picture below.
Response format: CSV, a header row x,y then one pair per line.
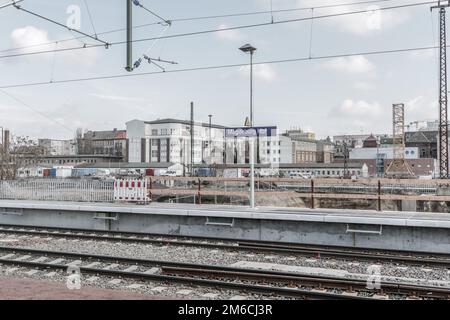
x,y
360,230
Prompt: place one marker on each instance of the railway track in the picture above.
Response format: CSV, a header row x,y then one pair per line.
x,y
283,284
411,258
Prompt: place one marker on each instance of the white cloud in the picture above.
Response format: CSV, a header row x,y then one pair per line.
x,y
374,21
29,36
230,35
260,71
32,39
353,65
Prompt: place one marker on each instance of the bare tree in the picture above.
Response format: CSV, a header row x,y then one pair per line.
x,y
23,151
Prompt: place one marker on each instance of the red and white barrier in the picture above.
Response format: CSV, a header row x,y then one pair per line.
x,y
131,190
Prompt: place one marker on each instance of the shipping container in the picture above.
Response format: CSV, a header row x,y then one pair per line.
x,y
46,173
63,172
53,173
150,172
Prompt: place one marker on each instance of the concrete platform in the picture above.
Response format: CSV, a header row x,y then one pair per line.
x,y
412,231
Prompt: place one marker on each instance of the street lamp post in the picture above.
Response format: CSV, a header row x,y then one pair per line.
x,y
210,134
251,50
210,142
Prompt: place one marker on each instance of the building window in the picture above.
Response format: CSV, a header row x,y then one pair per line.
x,y
154,132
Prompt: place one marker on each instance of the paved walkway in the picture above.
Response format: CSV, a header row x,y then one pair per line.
x,y
31,289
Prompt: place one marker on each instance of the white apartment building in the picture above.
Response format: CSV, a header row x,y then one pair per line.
x,y
385,153
169,140
287,150
266,145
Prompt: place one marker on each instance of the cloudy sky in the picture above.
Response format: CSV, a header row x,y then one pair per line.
x,y
328,96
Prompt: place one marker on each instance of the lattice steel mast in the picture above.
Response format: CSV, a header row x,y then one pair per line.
x,y
443,113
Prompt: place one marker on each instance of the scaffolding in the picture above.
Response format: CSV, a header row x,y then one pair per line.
x,y
399,168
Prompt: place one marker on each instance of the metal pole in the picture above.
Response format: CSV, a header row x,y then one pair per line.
x,y
129,66
251,88
210,139
252,173
252,147
443,117
192,138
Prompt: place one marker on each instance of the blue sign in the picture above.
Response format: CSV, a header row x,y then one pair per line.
x,y
251,132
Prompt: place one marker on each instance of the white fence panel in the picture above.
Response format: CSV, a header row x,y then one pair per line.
x,y
131,190
82,190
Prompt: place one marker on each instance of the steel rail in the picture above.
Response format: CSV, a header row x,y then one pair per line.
x,y
223,271
282,291
412,258
317,281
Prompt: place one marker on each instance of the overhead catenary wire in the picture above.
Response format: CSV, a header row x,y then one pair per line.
x,y
215,67
106,44
194,33
139,4
90,18
12,3
204,18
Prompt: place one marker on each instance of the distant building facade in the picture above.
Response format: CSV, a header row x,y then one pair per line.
x,y
169,140
58,147
425,141
305,150
109,143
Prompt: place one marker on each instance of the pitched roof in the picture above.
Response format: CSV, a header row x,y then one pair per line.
x,y
421,137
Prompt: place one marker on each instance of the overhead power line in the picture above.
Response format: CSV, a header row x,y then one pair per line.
x,y
139,4
223,29
10,4
300,59
202,18
61,25
90,18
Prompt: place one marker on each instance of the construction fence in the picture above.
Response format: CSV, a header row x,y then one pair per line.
x,y
82,190
179,188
